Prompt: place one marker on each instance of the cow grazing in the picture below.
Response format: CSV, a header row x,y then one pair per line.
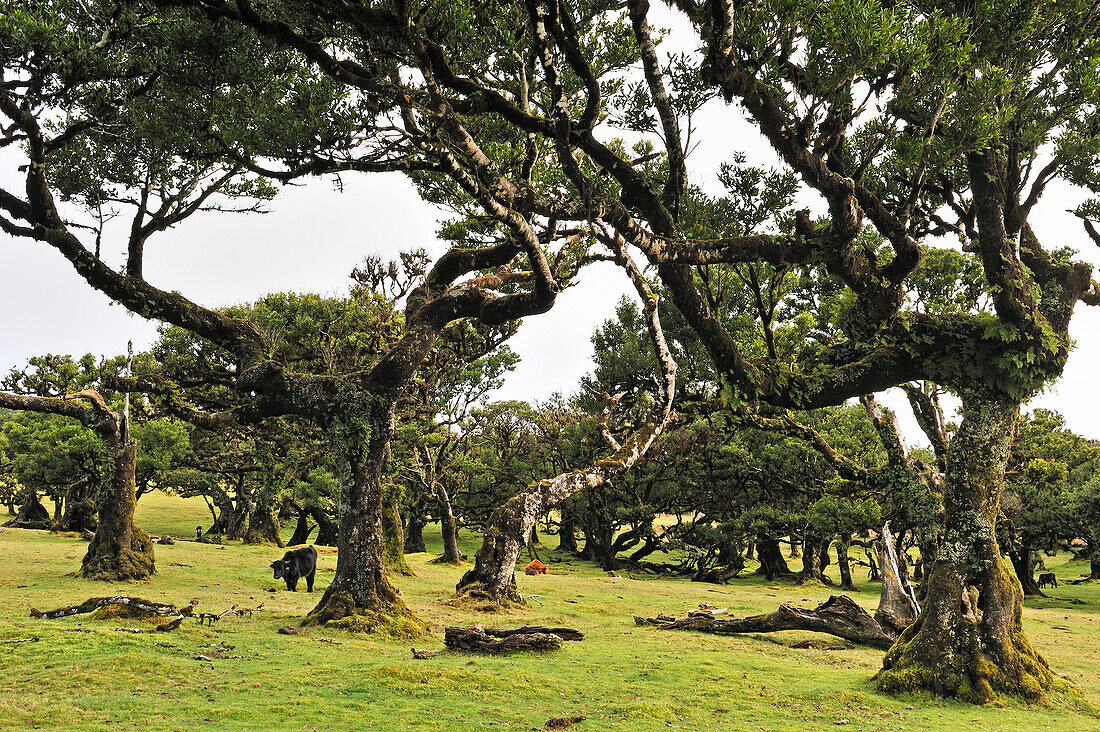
x,y
535,567
1047,579
297,563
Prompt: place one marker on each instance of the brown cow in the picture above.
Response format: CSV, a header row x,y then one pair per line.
x,y
535,567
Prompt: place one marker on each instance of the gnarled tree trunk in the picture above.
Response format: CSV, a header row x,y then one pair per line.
x,y
360,596
772,564
119,550
969,641
263,526
302,530
1024,560
414,533
80,507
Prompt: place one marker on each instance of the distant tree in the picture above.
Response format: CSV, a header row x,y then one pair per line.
x,y
1048,466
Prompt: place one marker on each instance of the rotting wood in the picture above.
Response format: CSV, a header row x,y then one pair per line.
x,y
94,603
566,634
476,639
21,640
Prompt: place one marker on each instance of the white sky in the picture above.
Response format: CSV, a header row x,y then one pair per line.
x,y
314,235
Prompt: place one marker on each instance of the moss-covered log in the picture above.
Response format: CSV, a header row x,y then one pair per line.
x,y
969,640
840,615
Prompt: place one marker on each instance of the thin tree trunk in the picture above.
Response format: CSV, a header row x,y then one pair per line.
x,y
842,562
795,551
969,640
451,554
119,550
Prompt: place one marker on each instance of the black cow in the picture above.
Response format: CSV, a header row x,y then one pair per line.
x,y
1048,579
297,563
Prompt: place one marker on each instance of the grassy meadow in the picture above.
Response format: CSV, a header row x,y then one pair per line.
x,y
85,674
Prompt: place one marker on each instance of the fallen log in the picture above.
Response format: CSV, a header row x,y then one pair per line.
x,y
475,640
566,634
94,603
840,615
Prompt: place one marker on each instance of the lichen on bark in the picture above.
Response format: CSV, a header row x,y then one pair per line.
x,y
969,640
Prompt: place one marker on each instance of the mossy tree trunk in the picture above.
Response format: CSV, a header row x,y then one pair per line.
x,y
393,536
969,641
119,550
263,526
360,596
811,560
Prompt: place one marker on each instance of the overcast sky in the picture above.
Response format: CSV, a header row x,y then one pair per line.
x,y
314,235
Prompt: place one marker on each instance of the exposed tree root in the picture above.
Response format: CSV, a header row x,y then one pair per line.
x,y
339,610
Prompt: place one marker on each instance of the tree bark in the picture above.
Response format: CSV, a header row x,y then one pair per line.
x,y
80,507
32,514
1094,565
263,526
451,554
897,607
119,550
811,560
326,527
969,641
360,596
478,640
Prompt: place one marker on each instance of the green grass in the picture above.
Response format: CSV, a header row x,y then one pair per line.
x,y
84,674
